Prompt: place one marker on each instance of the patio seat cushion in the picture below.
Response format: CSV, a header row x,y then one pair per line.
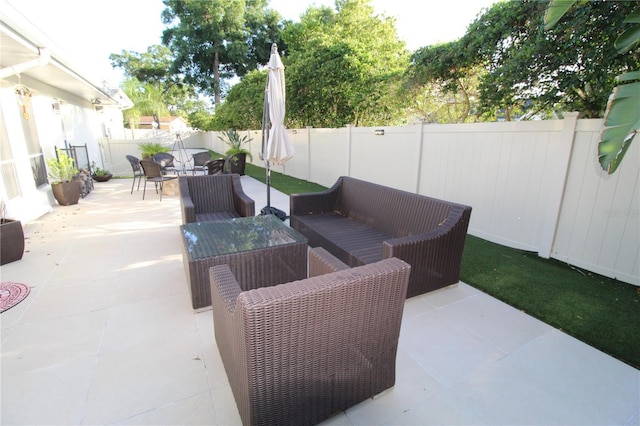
x,y
353,242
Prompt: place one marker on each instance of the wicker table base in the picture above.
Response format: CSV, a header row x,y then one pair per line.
x,y
259,250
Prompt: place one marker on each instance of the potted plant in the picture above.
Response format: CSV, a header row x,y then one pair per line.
x,y
100,175
149,149
62,170
11,239
236,152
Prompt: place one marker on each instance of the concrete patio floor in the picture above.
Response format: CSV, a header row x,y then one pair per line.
x,y
108,336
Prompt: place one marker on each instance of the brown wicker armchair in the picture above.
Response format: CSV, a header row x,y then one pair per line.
x,y
213,197
297,353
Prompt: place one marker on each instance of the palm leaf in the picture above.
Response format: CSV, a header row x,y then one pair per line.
x,y
622,121
555,11
631,36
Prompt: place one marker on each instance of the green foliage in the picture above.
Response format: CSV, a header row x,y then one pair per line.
x,y
236,143
622,122
61,169
97,171
149,149
218,39
202,120
151,66
622,116
529,70
244,104
152,87
344,67
148,100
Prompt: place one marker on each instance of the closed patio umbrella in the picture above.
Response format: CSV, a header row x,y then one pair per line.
x,y
277,149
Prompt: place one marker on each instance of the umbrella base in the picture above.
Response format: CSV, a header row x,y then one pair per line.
x,y
274,211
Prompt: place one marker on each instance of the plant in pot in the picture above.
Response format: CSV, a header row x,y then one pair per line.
x,y
236,152
149,149
100,175
62,170
11,238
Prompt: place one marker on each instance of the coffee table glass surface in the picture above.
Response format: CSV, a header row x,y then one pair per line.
x,y
259,250
207,239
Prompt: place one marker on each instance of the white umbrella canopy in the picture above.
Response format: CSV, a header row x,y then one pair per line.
x,y
279,148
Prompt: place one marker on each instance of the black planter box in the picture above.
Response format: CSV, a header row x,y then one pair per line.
x,y
11,241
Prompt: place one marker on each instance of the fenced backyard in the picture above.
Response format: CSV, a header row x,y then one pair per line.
x,y
533,186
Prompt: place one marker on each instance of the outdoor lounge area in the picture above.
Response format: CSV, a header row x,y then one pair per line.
x,y
108,335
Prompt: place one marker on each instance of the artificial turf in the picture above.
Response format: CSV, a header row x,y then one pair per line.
x,y
602,312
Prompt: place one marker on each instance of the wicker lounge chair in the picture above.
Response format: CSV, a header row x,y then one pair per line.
x,y
213,197
361,222
297,353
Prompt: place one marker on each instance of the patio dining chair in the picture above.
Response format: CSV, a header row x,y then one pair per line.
x,y
215,167
166,162
153,173
137,171
199,160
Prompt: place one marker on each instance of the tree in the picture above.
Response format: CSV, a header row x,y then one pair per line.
x,y
344,67
149,72
452,97
571,67
148,99
218,39
622,117
151,66
243,105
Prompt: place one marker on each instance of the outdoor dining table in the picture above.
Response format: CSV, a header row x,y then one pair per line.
x,y
258,250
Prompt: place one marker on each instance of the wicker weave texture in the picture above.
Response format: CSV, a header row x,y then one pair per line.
x,y
360,222
253,269
297,353
207,197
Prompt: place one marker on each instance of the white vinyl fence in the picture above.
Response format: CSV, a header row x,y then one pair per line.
x,y
533,185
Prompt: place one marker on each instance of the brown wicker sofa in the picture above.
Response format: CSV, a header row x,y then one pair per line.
x,y
297,353
361,222
213,197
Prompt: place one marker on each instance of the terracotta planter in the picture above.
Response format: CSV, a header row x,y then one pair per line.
x,y
66,193
11,241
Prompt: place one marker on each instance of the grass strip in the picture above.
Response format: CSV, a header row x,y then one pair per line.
x,y
602,312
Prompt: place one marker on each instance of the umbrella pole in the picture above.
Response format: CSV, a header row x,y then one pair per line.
x,y
268,185
265,118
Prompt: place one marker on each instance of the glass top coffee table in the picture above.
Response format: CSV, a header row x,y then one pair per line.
x,y
258,249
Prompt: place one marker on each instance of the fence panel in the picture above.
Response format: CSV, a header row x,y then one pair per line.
x,y
533,185
598,228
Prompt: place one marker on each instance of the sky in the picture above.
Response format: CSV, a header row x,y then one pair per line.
x,y
86,32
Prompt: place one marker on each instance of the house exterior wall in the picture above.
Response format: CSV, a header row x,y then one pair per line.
x,y
76,121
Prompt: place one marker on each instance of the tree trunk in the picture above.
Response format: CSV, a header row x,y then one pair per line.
x,y
216,79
